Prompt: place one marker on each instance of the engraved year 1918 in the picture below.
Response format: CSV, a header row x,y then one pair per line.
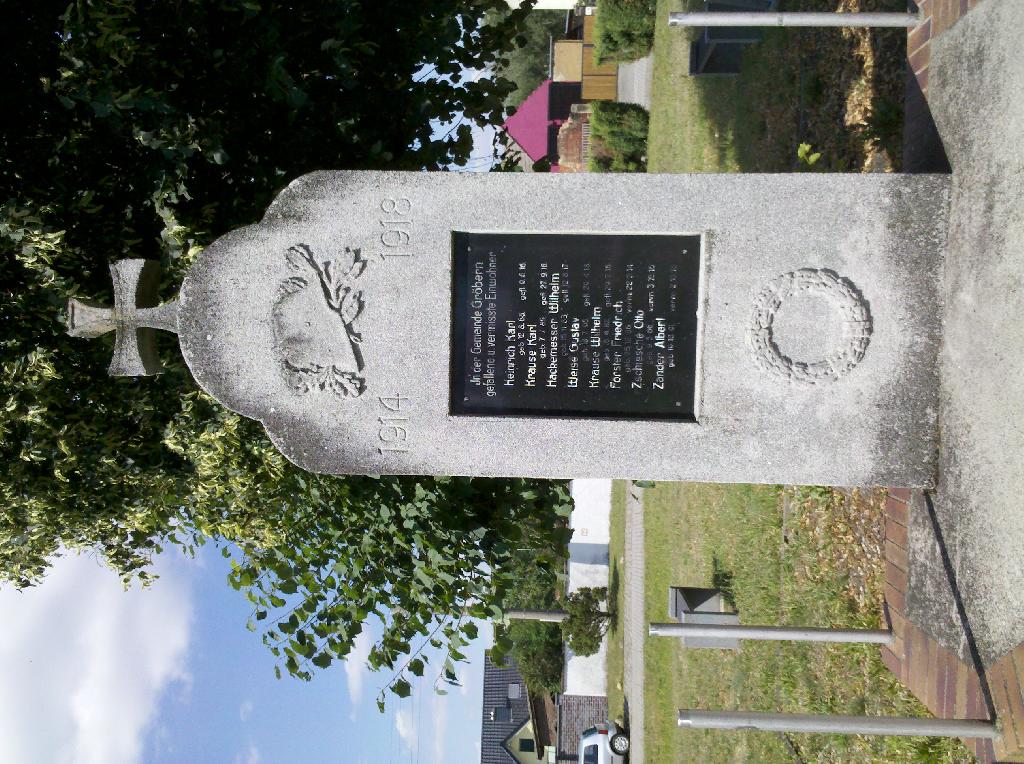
x,y
395,224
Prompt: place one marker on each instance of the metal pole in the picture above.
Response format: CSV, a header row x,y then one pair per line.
x,y
844,725
772,19
770,633
547,616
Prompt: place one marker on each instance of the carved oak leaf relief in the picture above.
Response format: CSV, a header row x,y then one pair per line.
x,y
312,318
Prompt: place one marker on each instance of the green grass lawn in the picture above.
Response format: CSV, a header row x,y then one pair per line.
x,y
814,86
827,574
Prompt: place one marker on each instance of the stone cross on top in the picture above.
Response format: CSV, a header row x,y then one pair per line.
x,y
133,318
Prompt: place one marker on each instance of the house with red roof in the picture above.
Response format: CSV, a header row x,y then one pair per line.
x,y
575,79
535,125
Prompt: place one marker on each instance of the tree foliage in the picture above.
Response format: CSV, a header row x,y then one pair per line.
x,y
623,30
145,130
419,562
527,65
618,134
536,647
587,620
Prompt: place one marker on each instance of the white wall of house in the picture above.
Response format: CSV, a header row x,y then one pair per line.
x,y
588,566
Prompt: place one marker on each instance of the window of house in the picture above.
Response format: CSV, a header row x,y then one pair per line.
x,y
526,745
515,691
502,714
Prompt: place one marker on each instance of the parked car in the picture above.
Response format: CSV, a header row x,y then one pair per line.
x,y
603,743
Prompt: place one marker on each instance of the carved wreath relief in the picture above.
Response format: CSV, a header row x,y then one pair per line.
x,y
844,298
313,315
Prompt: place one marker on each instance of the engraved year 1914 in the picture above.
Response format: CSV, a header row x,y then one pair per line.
x,y
394,424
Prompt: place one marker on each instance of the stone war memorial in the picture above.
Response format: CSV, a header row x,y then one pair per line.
x,y
723,328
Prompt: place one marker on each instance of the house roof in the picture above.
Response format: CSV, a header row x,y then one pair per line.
x,y
512,734
494,732
529,125
534,126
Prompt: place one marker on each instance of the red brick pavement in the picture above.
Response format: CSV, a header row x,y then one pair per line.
x,y
948,687
939,15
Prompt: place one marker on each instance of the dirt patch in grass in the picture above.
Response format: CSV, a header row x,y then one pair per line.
x,y
846,532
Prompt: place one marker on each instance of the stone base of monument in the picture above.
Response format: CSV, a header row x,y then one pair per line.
x,y
722,328
961,562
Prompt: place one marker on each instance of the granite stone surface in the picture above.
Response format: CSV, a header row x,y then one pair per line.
x,y
976,92
330,322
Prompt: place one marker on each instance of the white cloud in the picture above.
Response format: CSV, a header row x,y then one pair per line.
x,y
84,663
250,755
406,728
471,74
356,670
483,148
439,725
245,710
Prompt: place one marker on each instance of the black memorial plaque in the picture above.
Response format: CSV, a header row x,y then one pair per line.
x,y
580,325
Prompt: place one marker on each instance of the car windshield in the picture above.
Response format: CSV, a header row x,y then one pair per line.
x,y
590,754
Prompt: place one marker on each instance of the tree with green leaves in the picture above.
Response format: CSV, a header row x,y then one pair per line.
x,y
535,646
528,65
583,619
586,620
146,130
623,30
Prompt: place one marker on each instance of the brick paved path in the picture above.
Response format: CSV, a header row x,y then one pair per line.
x,y
949,687
634,621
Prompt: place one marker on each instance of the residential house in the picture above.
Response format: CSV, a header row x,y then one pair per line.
x,y
553,122
515,727
534,127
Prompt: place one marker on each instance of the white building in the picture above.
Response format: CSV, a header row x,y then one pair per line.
x,y
588,567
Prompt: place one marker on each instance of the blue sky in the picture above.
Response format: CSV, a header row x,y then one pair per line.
x,y
95,674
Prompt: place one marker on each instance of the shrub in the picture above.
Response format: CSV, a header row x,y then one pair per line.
x,y
537,652
618,135
587,620
623,30
535,646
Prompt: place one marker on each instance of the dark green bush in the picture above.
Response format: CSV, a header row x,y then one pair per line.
x,y
618,135
537,651
527,64
587,621
535,646
623,30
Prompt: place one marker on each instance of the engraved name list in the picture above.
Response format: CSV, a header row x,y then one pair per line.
x,y
599,325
